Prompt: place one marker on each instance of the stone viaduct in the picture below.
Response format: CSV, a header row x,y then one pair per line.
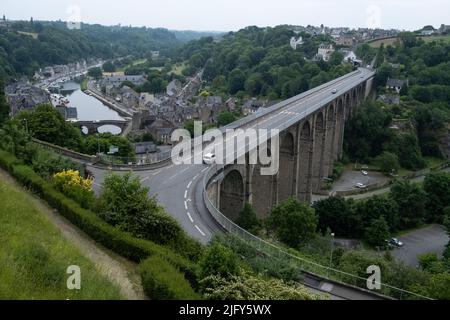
x,y
308,151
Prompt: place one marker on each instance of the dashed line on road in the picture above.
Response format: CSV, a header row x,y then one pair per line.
x,y
189,185
190,217
200,230
185,194
185,205
204,170
145,179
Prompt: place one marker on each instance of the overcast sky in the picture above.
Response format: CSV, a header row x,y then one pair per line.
x,y
226,15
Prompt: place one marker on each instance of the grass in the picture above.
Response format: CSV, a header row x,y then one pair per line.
x,y
178,69
34,256
84,84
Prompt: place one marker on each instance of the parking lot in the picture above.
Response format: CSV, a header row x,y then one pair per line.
x,y
429,239
349,179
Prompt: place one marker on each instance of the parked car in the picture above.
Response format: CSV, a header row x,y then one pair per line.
x,y
365,173
360,186
396,243
209,158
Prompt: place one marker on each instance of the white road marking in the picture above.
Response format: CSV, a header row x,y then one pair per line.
x,y
200,230
195,178
189,185
185,194
145,179
190,217
185,205
204,170
156,173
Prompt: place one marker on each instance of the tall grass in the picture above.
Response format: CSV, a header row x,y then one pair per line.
x,y
34,256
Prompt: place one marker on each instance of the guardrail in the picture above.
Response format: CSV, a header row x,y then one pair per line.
x,y
273,251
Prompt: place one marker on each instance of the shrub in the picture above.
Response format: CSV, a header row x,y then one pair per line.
x,y
218,260
293,222
249,287
248,219
75,187
162,281
118,241
124,203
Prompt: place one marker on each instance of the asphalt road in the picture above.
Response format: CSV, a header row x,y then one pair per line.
x,y
431,239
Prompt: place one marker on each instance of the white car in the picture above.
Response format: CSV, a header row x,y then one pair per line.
x,y
395,242
334,91
365,173
209,158
360,186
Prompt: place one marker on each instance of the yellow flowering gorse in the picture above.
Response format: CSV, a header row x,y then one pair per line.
x,y
72,178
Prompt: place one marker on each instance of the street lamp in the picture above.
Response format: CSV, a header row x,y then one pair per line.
x,y
331,255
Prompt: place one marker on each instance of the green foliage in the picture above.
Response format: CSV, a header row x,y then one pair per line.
x,y
377,207
34,254
367,131
377,232
437,186
109,67
259,62
218,260
411,201
388,162
293,222
248,220
47,124
104,141
406,147
162,281
250,287
95,73
226,117
124,203
56,44
4,107
118,241
338,215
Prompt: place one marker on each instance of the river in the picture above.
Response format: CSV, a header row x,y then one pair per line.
x,y
89,108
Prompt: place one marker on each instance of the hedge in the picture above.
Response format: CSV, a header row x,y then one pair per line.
x,y
118,241
162,281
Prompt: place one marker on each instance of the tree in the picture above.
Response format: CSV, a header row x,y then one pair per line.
x,y
338,215
388,162
47,124
109,67
225,118
236,81
95,73
248,220
4,107
125,203
377,233
411,201
437,186
406,147
377,207
218,260
293,222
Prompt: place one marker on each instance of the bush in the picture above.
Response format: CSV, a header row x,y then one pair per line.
x,y
218,260
293,222
75,187
162,281
124,203
118,241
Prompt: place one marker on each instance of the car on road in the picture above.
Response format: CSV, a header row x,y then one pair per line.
x,y
360,186
209,158
395,242
334,91
365,173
